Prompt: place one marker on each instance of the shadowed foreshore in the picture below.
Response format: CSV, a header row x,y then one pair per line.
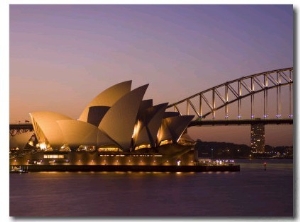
x,y
129,168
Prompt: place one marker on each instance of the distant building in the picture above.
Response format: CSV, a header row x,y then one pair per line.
x,y
257,138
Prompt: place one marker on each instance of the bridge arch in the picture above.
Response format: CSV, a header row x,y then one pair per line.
x,y
221,96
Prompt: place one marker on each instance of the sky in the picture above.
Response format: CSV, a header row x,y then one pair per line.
x,y
58,58
62,56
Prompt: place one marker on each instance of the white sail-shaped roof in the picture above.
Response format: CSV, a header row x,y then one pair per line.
x,y
145,104
163,132
107,98
173,127
170,114
119,121
96,113
46,128
141,135
78,133
116,117
151,122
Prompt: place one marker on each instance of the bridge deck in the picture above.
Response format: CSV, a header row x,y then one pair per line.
x,y
29,126
240,122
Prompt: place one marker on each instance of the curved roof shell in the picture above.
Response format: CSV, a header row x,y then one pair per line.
x,y
80,133
46,128
145,104
96,113
173,127
151,120
118,123
170,114
107,98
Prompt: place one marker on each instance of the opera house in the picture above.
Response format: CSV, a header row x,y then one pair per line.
x,y
117,127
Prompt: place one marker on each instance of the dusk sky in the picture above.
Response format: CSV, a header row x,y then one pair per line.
x,y
62,56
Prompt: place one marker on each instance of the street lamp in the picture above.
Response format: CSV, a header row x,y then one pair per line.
x,y
212,153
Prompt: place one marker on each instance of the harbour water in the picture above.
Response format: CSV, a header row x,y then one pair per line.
x,y
251,193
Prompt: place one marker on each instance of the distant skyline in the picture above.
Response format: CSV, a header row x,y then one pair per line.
x,y
62,56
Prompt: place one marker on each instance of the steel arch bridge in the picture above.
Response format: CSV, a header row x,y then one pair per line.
x,y
207,102
15,129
